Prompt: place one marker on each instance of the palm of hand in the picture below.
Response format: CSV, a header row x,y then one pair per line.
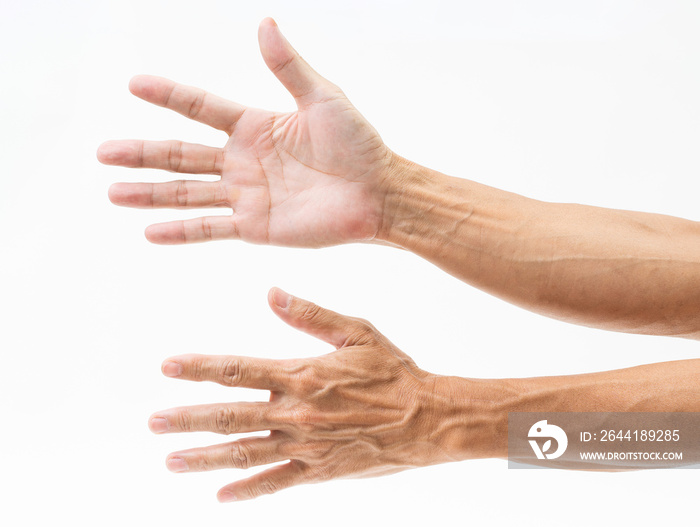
x,y
307,178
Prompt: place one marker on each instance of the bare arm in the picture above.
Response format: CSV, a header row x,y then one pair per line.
x,y
618,270
367,409
662,387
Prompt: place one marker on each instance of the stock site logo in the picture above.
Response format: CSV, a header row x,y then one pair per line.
x,y
541,430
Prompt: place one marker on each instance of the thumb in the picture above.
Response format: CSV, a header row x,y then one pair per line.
x,y
293,72
329,326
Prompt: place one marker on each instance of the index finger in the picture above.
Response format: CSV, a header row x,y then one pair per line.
x,y
246,372
189,101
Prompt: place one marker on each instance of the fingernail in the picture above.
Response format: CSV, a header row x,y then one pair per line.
x,y
177,464
172,369
281,299
159,425
226,497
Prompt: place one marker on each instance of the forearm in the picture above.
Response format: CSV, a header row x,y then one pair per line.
x,y
474,413
618,270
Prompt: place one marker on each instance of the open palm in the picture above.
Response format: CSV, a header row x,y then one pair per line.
x,y
308,178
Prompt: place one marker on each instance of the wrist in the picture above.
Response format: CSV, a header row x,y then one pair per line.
x,y
459,224
471,417
408,190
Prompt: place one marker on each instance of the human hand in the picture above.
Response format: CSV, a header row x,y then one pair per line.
x,y
363,410
310,178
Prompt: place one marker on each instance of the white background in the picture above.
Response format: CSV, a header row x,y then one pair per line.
x,y
593,102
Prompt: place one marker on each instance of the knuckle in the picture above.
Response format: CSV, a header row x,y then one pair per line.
x,y
175,156
289,449
183,421
139,155
196,105
196,368
239,456
218,162
301,414
231,373
365,326
205,226
181,194
320,450
225,421
310,312
284,64
309,378
198,460
168,95
224,196
302,417
335,91
364,330
267,486
322,472
308,449
202,463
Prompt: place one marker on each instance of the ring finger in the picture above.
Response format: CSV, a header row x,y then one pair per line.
x,y
172,194
245,453
231,418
